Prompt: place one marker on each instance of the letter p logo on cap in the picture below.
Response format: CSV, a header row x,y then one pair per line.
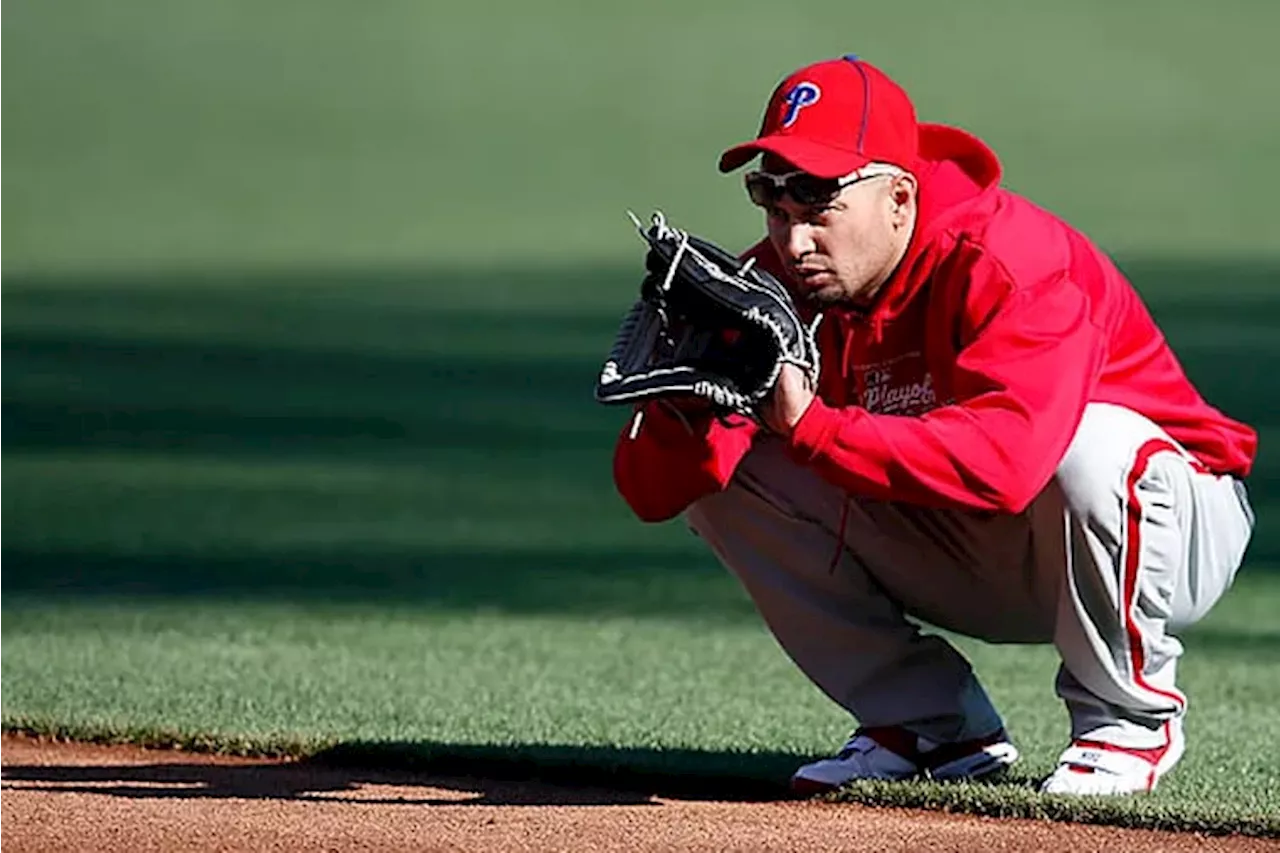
x,y
801,95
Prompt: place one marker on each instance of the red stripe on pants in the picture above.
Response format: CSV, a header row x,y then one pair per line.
x,y
1133,562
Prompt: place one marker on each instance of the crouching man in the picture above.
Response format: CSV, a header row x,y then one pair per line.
x,y
1000,443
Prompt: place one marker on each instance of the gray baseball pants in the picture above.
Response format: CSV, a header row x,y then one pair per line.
x,y
1131,540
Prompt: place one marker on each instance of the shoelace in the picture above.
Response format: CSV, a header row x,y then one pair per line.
x,y
850,747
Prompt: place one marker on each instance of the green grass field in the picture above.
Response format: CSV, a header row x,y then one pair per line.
x,y
302,309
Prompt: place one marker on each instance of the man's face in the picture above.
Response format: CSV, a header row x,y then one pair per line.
x,y
842,249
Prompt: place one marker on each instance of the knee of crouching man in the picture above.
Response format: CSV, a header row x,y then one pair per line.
x,y
1116,457
1089,480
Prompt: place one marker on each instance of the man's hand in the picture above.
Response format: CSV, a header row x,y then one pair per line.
x,y
791,398
709,325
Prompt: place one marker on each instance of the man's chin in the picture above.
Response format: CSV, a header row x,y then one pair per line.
x,y
822,293
824,296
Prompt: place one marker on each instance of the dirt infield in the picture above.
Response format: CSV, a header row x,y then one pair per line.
x,y
62,797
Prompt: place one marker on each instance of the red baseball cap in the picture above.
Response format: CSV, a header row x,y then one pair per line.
x,y
834,117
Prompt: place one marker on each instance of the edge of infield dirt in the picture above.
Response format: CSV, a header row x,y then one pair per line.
x,y
676,774
72,796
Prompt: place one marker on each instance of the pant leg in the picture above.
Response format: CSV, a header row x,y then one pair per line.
x,y
980,574
1128,542
778,528
1153,541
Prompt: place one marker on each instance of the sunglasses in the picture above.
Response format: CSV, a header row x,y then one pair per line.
x,y
767,189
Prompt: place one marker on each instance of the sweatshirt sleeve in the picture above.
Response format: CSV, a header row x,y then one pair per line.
x,y
664,462
1020,386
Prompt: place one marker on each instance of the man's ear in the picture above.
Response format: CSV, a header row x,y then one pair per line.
x,y
902,195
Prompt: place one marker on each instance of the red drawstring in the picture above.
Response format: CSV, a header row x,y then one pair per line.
x,y
877,328
846,368
844,339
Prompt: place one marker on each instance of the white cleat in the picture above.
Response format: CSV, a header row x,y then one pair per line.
x,y
1091,767
894,753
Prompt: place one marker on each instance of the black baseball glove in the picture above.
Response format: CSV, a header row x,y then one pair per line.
x,y
705,325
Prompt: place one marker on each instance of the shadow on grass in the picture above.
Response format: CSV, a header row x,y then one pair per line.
x,y
568,774
639,582
509,775
683,773
485,377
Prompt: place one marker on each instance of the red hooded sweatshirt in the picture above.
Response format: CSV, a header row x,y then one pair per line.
x,y
964,382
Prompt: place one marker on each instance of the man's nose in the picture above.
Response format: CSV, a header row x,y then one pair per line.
x,y
799,241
